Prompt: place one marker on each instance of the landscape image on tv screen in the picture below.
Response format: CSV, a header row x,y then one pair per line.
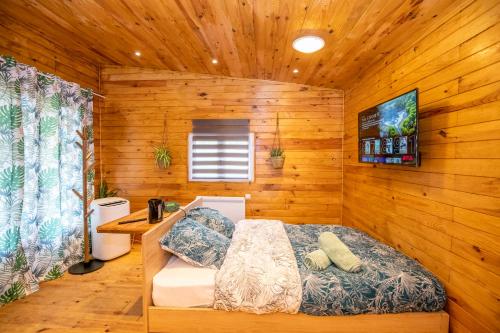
x,y
388,132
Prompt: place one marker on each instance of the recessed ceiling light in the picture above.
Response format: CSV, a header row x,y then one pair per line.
x,y
295,71
215,61
137,53
308,44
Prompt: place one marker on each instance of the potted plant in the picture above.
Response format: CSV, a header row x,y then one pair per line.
x,y
163,156
277,153
105,191
277,158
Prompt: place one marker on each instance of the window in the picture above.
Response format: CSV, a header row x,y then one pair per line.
x,y
221,150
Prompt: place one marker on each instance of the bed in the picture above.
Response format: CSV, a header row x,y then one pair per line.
x,y
325,317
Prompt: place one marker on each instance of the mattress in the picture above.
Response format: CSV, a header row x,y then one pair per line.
x,y
180,284
389,282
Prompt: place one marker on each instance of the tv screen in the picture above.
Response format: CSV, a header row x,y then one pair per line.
x,y
388,132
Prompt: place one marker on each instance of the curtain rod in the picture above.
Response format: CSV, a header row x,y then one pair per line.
x,y
49,76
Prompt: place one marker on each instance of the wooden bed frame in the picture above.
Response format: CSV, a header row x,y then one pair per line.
x,y
182,320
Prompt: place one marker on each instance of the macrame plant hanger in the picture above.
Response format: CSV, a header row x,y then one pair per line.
x,y
89,264
277,133
277,156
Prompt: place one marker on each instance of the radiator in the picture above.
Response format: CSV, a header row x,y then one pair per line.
x,y
231,207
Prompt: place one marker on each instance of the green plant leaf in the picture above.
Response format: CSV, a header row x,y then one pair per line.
x,y
47,178
86,93
48,231
11,178
277,152
9,241
15,291
20,262
48,126
91,175
43,81
81,111
54,273
163,156
171,207
104,192
56,101
90,132
17,86
10,116
10,61
20,147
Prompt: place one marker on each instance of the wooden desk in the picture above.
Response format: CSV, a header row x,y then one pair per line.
x,y
129,228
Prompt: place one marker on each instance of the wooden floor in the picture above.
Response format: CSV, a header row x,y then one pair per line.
x,y
108,300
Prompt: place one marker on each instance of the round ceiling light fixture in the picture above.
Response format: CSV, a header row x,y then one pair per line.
x,y
215,61
308,44
137,53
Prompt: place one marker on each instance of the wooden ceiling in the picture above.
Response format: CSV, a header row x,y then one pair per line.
x,y
250,38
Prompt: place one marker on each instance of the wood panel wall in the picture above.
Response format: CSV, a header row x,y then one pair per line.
x,y
307,190
446,213
32,48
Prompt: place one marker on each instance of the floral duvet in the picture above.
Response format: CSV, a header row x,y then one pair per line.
x,y
389,282
259,273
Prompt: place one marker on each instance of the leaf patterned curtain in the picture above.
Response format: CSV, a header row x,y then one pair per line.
x,y
41,229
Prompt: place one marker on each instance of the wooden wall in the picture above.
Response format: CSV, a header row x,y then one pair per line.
x,y
307,190
446,213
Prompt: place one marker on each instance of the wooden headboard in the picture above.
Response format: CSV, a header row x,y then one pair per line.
x,y
154,258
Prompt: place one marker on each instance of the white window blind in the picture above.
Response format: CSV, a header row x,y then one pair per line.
x,y
221,150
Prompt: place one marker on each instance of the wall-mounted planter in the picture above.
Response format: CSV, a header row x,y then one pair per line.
x,y
278,162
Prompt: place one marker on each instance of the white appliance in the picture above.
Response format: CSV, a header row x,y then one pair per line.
x,y
109,246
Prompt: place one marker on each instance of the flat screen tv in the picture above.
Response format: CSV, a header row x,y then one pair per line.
x,y
388,132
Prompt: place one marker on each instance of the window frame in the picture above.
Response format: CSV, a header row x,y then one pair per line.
x,y
251,161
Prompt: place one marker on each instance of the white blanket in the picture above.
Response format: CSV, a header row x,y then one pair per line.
x,y
260,273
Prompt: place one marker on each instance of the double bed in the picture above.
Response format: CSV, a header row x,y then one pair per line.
x,y
393,293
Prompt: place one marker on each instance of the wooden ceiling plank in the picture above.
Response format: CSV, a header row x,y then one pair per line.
x,y
250,38
134,20
392,36
263,9
25,37
361,27
192,11
243,34
217,35
74,24
322,17
438,36
29,19
286,58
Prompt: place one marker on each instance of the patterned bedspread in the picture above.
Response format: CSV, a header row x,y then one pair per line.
x,y
259,273
390,282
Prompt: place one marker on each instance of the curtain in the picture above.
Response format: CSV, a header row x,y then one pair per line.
x,y
41,220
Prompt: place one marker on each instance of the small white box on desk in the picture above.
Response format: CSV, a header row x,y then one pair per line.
x,y
109,246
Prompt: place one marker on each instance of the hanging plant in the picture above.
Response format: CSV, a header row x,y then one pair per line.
x,y
162,154
277,153
163,157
